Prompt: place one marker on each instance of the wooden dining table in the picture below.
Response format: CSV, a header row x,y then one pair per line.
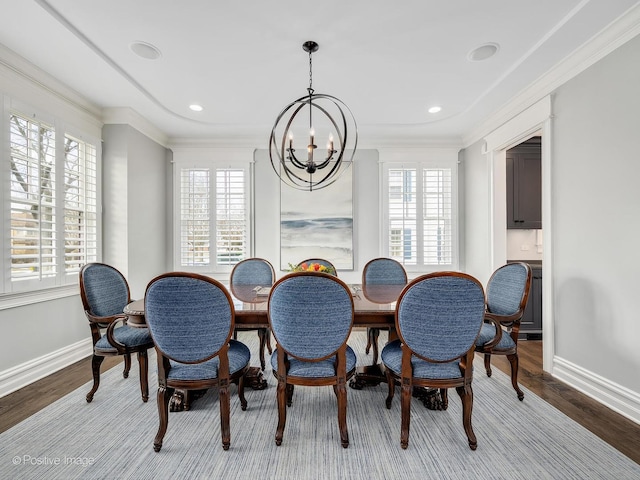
x,y
374,307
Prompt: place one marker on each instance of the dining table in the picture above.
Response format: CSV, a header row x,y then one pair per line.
x,y
374,307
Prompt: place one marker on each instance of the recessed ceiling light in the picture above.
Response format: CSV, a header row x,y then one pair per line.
x,y
483,52
434,109
195,107
145,50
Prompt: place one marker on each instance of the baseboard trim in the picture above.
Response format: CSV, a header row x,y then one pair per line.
x,y
618,398
24,374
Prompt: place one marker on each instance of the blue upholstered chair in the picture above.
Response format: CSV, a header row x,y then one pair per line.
x,y
253,272
105,293
507,296
191,319
381,271
311,315
438,318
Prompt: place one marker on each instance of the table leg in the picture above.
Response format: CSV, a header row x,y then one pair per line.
x,y
182,399
374,375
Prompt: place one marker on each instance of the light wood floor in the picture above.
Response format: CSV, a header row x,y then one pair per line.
x,y
621,433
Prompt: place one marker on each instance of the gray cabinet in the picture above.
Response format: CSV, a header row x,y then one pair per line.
x,y
531,323
524,185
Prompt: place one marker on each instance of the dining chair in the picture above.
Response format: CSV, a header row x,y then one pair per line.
x,y
256,272
105,292
311,316
320,261
381,271
191,318
507,296
438,318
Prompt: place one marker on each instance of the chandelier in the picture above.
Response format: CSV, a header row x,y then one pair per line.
x,y
316,116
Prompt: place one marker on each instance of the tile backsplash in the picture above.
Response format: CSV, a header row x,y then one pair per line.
x,y
524,244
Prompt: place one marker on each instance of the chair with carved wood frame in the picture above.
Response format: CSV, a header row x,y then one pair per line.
x,y
256,272
311,316
191,318
381,271
438,318
105,292
507,296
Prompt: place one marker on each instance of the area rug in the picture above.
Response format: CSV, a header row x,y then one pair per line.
x,y
112,437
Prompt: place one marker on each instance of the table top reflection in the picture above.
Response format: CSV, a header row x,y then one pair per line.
x,y
374,306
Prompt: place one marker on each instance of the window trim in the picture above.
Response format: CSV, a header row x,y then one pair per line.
x,y
420,159
16,294
212,159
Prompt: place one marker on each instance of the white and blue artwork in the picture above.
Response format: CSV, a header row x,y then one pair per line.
x,y
318,224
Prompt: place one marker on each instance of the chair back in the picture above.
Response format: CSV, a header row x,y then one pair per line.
x,y
190,317
103,289
310,314
439,315
252,271
320,261
384,271
508,289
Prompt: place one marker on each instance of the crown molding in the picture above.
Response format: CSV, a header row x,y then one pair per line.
x,y
615,35
128,116
30,84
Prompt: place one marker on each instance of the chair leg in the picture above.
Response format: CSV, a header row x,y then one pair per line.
x,y
143,364
243,400
289,395
487,363
127,365
513,360
268,334
341,393
392,388
405,409
96,361
466,395
281,394
225,414
444,398
368,347
164,394
262,340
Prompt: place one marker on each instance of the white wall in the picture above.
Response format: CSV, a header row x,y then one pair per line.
x,y
596,218
41,333
134,205
477,212
592,205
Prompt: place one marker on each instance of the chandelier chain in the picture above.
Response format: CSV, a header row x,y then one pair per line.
x,y
310,73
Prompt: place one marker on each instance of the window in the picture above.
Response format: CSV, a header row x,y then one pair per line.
x,y
214,210
53,209
420,215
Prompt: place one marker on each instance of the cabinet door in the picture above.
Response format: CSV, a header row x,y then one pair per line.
x,y
524,188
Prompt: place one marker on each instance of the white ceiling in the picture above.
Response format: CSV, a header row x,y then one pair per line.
x,y
243,61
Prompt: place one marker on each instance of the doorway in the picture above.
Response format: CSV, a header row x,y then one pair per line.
x,y
534,121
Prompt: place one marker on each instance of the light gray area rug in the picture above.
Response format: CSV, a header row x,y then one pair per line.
x,y
112,437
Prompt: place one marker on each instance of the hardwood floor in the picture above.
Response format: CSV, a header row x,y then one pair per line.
x,y
613,428
621,433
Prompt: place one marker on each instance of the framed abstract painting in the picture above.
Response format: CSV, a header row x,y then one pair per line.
x,y
318,224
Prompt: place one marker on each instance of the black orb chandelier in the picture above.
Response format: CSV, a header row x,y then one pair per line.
x,y
315,115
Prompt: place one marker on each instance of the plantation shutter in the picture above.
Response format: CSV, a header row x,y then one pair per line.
x,y
80,205
231,216
33,196
420,216
195,217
